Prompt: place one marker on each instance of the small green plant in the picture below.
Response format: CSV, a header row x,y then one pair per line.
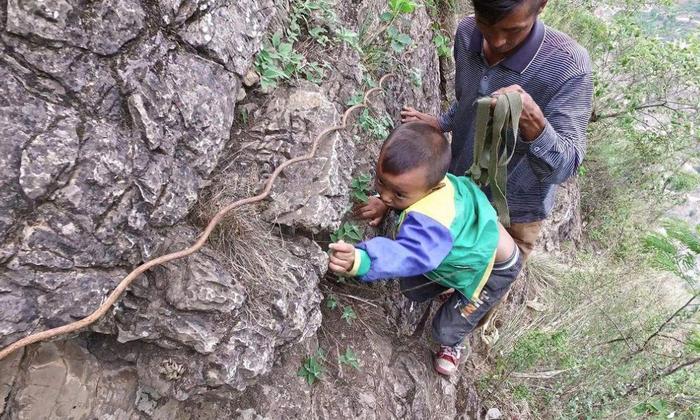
x,y
347,232
377,127
349,314
314,72
318,34
684,182
312,368
349,37
674,250
656,407
331,302
694,342
277,61
442,44
520,392
245,118
349,358
356,99
360,187
398,7
582,170
398,41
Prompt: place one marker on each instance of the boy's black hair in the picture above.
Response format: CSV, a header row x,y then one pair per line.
x,y
492,11
415,144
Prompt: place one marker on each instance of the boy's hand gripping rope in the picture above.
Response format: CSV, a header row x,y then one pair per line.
x,y
126,281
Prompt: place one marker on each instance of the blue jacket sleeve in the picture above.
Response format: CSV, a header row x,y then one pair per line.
x,y
421,245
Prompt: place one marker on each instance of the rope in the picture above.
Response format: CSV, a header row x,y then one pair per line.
x,y
126,281
495,136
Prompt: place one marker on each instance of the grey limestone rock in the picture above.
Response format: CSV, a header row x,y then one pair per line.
x,y
231,32
102,27
311,195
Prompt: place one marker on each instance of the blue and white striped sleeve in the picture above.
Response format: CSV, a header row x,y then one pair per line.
x,y
558,151
421,244
446,120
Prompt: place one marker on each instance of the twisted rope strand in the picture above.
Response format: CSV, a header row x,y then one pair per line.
x,y
126,281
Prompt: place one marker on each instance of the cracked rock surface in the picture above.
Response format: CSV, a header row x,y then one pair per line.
x,y
124,126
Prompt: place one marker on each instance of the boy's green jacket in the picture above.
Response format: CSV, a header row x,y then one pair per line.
x,y
449,236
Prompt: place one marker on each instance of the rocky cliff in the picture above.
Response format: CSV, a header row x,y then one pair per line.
x,y
125,124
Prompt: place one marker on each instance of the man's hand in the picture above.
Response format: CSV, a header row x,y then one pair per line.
x,y
532,120
410,114
342,257
374,210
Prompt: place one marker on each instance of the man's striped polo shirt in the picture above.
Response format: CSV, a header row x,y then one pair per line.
x,y
556,72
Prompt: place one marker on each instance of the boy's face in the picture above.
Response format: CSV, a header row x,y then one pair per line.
x,y
402,191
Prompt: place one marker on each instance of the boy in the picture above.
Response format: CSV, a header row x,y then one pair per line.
x,y
448,238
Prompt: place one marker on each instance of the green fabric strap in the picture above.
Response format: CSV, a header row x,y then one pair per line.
x,y
496,133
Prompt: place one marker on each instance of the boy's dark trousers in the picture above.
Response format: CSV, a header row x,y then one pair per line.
x,y
458,317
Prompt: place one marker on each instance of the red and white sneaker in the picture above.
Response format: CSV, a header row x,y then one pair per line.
x,y
447,359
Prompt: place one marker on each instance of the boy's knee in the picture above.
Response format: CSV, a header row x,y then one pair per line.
x,y
447,335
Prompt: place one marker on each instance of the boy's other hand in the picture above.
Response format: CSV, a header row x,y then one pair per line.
x,y
410,114
374,210
342,257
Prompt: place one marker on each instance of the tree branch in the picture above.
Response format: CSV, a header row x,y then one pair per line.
x,y
667,371
595,117
666,323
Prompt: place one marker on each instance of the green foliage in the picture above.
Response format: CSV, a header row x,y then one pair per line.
x,y
349,358
674,250
312,368
442,44
536,346
684,182
348,232
694,341
381,51
244,116
303,11
397,7
319,34
349,314
520,392
349,37
360,187
356,99
657,407
331,302
277,61
398,41
681,231
377,127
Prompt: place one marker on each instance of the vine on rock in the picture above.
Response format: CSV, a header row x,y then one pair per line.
x,y
126,281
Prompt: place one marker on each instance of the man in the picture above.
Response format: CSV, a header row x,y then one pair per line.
x,y
506,48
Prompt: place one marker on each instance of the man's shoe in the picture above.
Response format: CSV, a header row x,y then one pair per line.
x,y
447,359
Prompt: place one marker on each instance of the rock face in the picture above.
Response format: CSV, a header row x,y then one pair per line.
x,y
124,126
